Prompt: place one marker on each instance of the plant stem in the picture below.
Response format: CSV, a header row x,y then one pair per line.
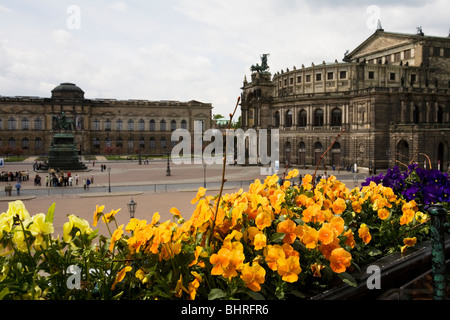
x,y
323,155
211,235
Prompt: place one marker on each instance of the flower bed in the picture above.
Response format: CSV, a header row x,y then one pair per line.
x,y
273,241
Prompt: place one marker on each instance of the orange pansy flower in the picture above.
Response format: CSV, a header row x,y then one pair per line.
x,y
340,260
289,268
364,233
253,276
339,206
326,233
288,227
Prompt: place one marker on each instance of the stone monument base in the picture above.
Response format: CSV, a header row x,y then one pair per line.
x,y
63,154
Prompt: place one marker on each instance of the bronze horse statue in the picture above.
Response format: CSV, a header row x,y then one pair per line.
x,y
62,123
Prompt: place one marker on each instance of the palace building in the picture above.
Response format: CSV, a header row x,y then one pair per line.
x,y
389,99
102,126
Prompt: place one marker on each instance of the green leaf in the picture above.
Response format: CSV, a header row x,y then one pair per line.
x,y
255,295
348,279
117,296
216,294
4,292
50,213
374,252
93,235
277,237
297,294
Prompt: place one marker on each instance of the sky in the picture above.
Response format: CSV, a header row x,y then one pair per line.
x,y
186,49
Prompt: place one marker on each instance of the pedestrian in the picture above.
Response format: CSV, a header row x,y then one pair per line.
x,y
84,184
18,186
76,179
88,182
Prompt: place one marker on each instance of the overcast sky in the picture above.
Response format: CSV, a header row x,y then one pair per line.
x,y
186,49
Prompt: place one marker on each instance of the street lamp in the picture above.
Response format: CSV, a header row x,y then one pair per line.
x,y
132,207
168,163
204,175
109,180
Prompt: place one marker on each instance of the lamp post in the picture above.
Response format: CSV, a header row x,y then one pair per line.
x,y
204,175
131,207
168,163
109,180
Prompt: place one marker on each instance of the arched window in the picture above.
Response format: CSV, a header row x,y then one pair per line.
x,y
302,118
119,142
336,117
130,144
119,125
318,118
402,150
108,142
38,124
96,125
25,143
162,125
288,118
130,125
11,123
141,125
173,125
183,124
152,125
108,125
38,144
25,124
141,143
96,143
163,143
277,119
12,142
152,143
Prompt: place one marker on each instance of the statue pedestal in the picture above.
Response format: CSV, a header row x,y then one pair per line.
x,y
63,154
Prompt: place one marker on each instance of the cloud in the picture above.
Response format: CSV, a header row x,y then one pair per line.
x,y
119,6
62,37
4,9
186,49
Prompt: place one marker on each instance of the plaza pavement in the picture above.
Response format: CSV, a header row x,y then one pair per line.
x,y
134,177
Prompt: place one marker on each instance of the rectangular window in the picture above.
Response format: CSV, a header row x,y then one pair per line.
x,y
407,54
291,81
371,75
392,76
299,79
330,76
308,78
318,77
343,75
397,57
447,52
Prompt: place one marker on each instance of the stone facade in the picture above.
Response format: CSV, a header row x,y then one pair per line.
x,y
102,125
389,100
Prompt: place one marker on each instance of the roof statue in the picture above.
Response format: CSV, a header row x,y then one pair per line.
x,y
263,67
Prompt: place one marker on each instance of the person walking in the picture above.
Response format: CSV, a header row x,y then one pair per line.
x,y
18,186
